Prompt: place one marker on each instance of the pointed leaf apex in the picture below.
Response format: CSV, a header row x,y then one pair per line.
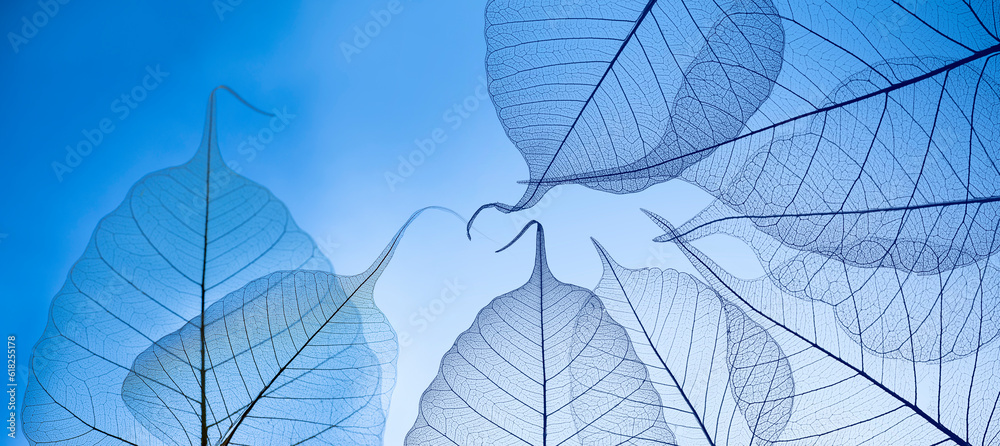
x,y
541,263
370,275
238,97
541,260
210,144
606,259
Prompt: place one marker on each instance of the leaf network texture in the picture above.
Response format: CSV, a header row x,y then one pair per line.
x,y
886,208
295,357
596,91
289,362
937,386
853,146
544,364
805,100
688,335
182,240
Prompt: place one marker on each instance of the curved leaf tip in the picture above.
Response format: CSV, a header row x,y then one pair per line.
x,y
375,270
182,239
541,263
339,339
238,97
635,75
543,364
498,206
541,235
210,141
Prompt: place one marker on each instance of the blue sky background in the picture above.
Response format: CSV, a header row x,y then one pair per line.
x,y
354,119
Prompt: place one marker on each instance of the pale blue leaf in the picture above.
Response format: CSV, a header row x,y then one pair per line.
x,y
881,118
906,179
297,357
895,355
541,365
928,316
723,378
620,95
183,238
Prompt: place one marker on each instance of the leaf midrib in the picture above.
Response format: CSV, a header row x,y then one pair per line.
x,y
946,68
694,412
916,410
204,264
232,430
597,86
541,327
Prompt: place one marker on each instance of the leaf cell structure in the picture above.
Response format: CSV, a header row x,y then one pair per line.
x,y
724,379
295,357
921,371
621,95
541,365
182,238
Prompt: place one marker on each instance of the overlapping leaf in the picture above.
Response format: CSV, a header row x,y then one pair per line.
x,y
924,372
690,337
541,365
300,357
906,179
930,316
880,122
877,146
866,179
620,95
183,238
875,203
886,209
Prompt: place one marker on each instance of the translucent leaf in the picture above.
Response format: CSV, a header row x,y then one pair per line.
x,y
690,337
300,357
930,316
880,121
183,238
884,203
593,91
906,179
542,365
921,394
